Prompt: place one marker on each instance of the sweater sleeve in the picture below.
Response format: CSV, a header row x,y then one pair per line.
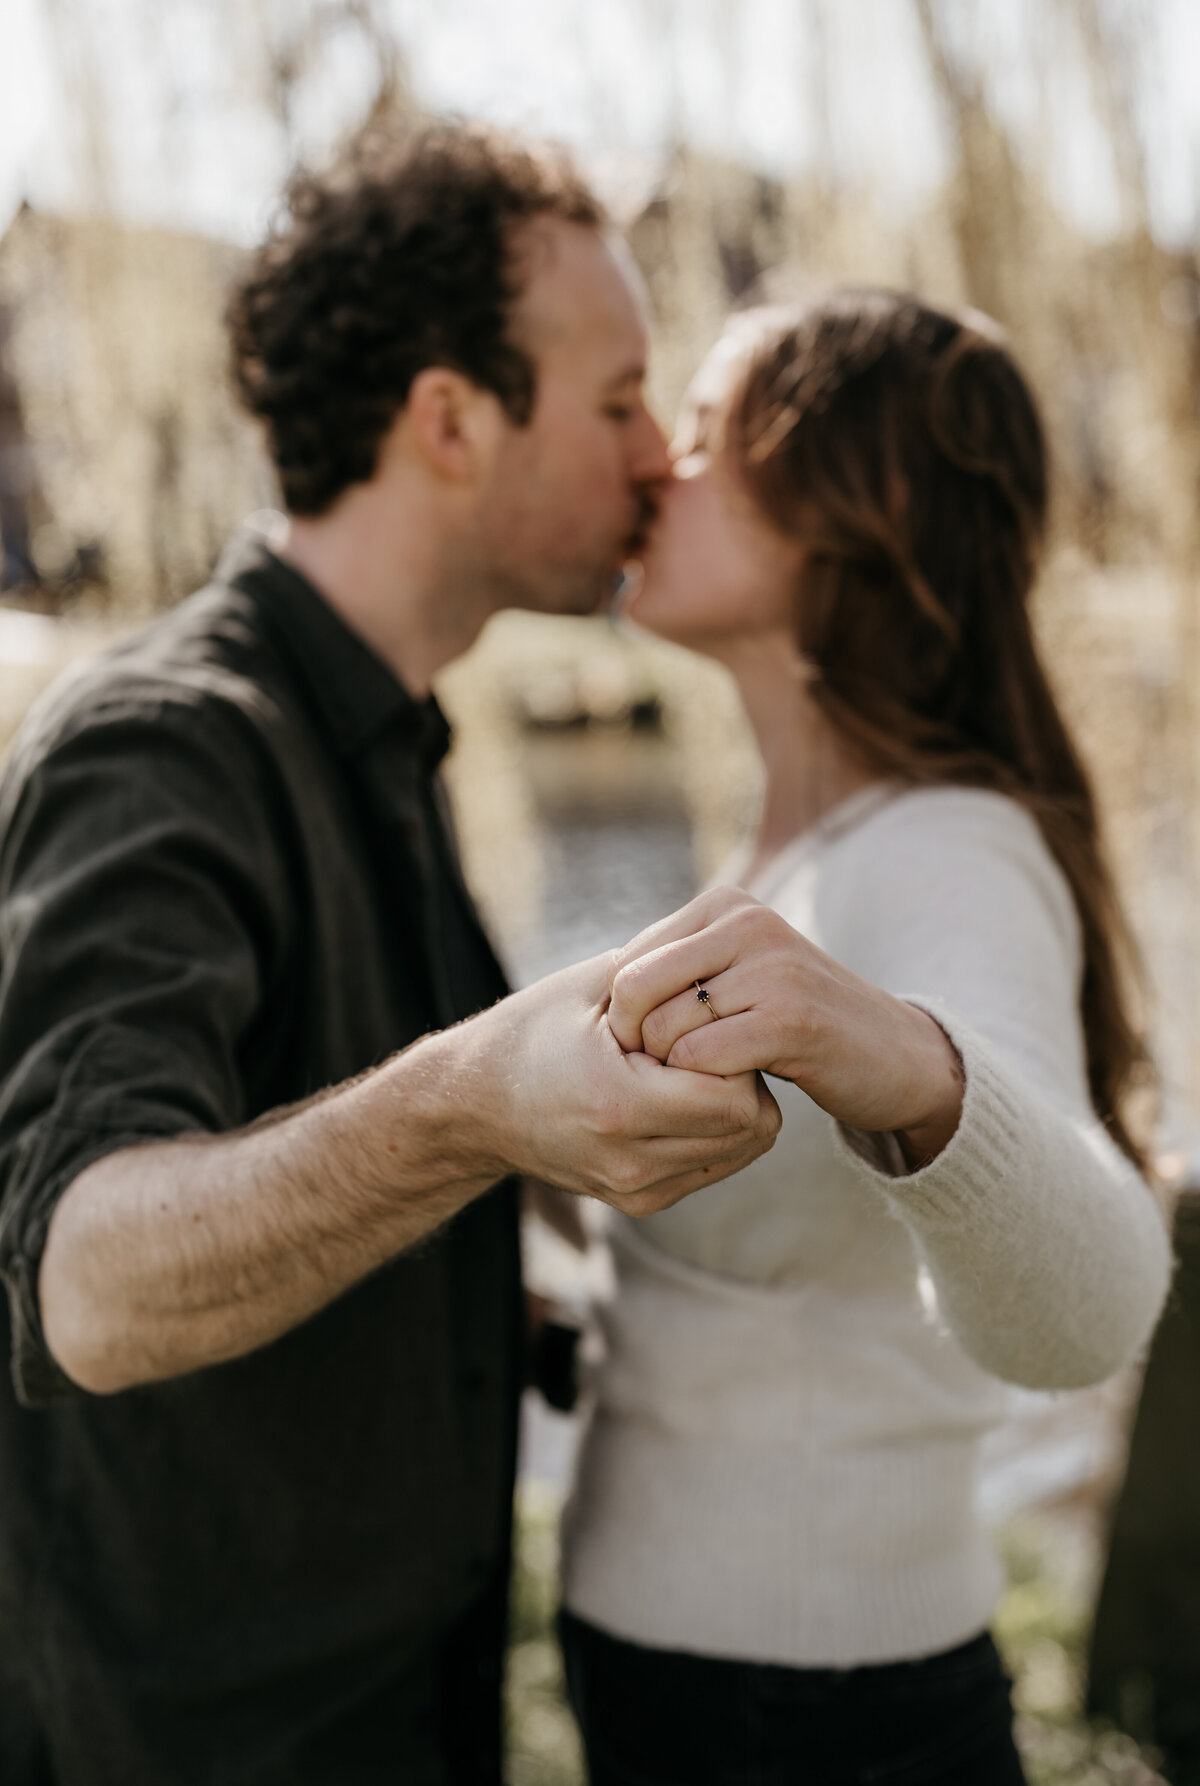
x,y
1047,1250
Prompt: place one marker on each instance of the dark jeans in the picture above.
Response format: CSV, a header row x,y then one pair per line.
x,y
660,1718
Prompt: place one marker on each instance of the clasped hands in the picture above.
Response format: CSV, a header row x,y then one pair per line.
x,y
612,1079
777,1004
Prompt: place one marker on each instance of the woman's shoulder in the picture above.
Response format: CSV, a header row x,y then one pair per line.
x,y
968,858
937,829
956,814
886,822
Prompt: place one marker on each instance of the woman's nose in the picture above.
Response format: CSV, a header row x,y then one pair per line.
x,y
652,458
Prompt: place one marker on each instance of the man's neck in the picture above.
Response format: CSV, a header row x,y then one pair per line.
x,y
416,611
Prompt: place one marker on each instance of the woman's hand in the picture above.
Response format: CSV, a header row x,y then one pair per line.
x,y
778,1004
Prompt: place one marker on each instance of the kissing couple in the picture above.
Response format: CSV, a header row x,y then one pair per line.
x,y
266,1102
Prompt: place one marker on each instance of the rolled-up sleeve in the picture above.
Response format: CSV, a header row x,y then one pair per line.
x,y
137,927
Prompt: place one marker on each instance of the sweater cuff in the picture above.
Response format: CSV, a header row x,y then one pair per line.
x,y
991,1130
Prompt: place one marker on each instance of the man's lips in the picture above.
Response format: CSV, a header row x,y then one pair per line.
x,y
639,537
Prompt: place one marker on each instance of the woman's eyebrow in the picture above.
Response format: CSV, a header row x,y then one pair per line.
x,y
635,374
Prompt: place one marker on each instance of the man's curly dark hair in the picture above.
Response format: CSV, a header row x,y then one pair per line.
x,y
398,258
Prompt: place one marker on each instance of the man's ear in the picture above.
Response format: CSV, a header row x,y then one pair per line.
x,y
453,424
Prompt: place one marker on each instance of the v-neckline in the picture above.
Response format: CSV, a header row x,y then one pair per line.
x,y
840,818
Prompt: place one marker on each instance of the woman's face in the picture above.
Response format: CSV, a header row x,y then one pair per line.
x,y
716,574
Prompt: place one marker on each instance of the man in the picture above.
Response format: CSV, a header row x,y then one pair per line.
x,y
255,1477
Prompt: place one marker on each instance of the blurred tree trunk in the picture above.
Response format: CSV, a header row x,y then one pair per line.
x,y
1114,42
291,36
21,503
1144,1664
987,197
1089,321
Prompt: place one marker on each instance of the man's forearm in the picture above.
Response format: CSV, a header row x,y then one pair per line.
x,y
165,1258
178,1254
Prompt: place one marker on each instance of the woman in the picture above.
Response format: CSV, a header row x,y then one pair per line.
x,y
774,1569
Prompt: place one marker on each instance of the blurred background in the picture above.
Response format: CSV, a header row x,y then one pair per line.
x,y
1038,159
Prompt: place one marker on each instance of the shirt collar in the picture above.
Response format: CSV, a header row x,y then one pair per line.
x,y
355,693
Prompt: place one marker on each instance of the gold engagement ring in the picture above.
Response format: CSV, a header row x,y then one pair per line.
x,y
702,993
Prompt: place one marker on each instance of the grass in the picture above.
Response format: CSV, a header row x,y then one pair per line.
x,y
1041,1626
543,1747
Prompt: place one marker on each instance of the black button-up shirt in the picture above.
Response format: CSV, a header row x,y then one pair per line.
x,y
225,883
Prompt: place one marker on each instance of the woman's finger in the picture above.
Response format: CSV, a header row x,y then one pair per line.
x,y
655,979
663,1027
735,1045
707,908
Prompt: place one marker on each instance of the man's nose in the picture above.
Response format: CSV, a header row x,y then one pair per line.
x,y
651,460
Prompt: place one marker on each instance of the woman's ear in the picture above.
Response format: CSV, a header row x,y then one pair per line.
x,y
453,424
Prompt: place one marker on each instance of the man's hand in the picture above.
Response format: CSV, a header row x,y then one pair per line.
x,y
554,1095
780,1005
177,1254
173,1255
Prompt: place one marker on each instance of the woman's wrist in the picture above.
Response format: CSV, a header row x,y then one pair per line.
x,y
942,1082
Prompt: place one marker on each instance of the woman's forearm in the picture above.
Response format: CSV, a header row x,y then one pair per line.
x,y
1049,1254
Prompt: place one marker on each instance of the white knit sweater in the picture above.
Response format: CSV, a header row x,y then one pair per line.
x,y
781,1463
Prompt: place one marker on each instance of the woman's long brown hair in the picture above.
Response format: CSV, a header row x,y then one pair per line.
x,y
904,448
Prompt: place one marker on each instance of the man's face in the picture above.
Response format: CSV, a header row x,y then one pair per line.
x,y
572,491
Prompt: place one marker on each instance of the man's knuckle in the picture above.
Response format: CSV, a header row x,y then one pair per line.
x,y
753,919
632,977
713,900
619,982
743,1106
604,1113
625,1177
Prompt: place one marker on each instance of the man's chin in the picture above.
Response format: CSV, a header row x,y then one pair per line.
x,y
595,594
589,590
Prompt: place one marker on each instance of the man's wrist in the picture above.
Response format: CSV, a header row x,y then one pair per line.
x,y
445,1106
